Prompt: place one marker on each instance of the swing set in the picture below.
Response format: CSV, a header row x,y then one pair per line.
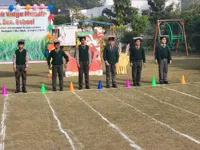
x,y
174,30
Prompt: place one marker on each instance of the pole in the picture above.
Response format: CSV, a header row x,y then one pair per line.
x,y
185,38
155,38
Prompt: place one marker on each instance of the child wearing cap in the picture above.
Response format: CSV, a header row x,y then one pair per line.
x,y
163,58
83,57
111,58
20,65
57,64
137,58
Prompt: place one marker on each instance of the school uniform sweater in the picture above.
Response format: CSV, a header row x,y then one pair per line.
x,y
20,58
83,54
137,54
163,52
57,57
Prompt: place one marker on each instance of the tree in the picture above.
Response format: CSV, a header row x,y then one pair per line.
x,y
61,19
128,22
159,10
102,19
138,25
77,15
187,3
109,14
121,9
191,16
121,13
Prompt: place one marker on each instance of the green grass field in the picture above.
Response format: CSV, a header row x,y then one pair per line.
x,y
148,118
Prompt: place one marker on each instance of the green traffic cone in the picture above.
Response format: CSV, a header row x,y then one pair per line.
x,y
153,81
43,89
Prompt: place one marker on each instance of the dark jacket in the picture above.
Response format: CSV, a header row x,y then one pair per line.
x,y
57,57
111,56
137,54
162,53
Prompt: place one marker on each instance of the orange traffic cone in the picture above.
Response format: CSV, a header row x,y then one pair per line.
x,y
71,87
183,79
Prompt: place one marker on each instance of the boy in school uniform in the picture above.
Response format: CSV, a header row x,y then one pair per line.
x,y
137,58
57,65
20,65
163,58
111,58
83,57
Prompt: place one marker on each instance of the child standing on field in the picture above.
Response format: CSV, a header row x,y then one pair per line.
x,y
137,58
163,58
111,59
83,58
20,65
57,65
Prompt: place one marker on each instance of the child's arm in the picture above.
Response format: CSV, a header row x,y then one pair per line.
x,y
156,55
131,56
90,56
77,56
49,59
27,61
117,56
143,56
105,56
66,58
169,55
14,63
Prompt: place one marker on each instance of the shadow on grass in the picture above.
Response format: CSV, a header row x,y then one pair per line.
x,y
188,64
10,90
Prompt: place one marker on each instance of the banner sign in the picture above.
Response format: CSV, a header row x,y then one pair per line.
x,y
67,35
31,25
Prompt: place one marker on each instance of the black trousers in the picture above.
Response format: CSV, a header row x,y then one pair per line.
x,y
20,72
163,70
83,70
110,70
57,69
136,71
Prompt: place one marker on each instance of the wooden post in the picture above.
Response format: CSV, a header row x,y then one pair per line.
x,y
185,38
56,32
177,45
155,38
112,29
171,20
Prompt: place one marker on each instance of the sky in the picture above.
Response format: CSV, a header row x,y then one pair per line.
x,y
7,2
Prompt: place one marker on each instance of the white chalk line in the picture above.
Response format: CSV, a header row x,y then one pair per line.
x,y
59,123
159,122
84,90
3,126
169,104
51,92
182,93
132,143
